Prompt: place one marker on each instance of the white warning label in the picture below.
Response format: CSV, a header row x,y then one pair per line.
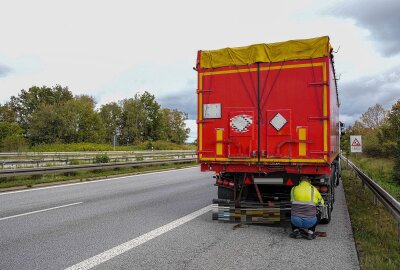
x,y
356,144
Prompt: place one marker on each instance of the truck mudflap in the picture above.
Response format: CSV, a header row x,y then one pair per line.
x,y
246,212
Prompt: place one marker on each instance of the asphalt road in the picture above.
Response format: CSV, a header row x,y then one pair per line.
x,y
154,221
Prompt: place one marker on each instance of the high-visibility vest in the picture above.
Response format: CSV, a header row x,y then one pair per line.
x,y
305,193
304,199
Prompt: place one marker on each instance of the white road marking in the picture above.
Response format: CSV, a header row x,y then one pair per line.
x,y
118,250
39,211
94,181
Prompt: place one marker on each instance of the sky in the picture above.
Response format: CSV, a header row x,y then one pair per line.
x,y
114,49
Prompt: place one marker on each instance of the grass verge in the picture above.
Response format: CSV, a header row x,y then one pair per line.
x,y
31,181
374,228
380,170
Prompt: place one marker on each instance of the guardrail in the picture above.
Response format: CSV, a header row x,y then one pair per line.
x,y
390,203
86,153
71,168
56,160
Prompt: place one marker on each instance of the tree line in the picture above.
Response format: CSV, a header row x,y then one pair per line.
x,y
45,115
380,130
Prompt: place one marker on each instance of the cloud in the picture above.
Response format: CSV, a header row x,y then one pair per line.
x,y
184,101
358,95
381,18
4,70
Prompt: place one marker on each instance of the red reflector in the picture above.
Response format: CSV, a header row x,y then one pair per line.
x,y
324,189
289,182
247,181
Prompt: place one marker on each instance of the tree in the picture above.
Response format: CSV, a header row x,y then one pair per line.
x,y
152,111
46,125
374,116
11,138
394,133
111,115
28,101
133,124
81,123
173,126
7,114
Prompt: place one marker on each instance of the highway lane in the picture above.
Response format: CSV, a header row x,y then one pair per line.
x,y
96,217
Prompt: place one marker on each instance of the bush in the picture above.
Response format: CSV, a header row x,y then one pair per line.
x,y
14,144
371,145
71,147
163,145
74,162
396,167
103,158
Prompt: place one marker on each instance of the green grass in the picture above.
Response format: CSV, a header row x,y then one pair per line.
x,y
80,147
30,181
374,228
380,170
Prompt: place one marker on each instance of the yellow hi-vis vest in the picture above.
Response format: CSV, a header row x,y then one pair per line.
x,y
304,198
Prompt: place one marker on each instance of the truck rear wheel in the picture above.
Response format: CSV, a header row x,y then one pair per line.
x,y
328,219
225,193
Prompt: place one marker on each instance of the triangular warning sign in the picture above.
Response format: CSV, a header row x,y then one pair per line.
x,y
289,182
355,143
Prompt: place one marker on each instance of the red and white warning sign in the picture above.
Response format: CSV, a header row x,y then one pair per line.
x,y
356,144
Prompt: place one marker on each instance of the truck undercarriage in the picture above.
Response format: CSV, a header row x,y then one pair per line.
x,y
265,197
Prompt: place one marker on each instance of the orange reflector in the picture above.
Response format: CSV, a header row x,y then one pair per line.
x,y
289,182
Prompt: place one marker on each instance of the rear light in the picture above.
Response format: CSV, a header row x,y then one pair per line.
x,y
226,183
289,182
323,189
231,184
219,182
247,181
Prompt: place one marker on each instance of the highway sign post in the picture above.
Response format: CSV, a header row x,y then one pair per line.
x,y
355,144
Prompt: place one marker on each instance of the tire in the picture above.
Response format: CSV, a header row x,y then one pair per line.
x,y
326,220
225,193
338,173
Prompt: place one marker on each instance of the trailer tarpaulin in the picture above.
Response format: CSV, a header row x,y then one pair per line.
x,y
266,53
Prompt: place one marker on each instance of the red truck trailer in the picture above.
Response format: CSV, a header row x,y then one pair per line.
x,y
268,114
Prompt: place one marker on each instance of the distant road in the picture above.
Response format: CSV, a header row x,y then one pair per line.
x,y
153,221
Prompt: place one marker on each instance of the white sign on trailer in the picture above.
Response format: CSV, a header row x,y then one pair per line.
x,y
356,144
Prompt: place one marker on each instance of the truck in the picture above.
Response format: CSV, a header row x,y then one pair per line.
x,y
268,115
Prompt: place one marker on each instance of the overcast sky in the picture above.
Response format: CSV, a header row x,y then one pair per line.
x,y
114,49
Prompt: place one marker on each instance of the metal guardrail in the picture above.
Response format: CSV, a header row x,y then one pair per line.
x,y
71,168
38,161
391,204
85,153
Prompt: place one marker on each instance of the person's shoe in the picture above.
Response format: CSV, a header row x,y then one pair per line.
x,y
295,234
310,235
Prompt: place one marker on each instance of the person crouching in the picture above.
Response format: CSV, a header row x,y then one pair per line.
x,y
305,198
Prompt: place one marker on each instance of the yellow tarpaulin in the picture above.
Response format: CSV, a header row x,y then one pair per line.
x,y
266,53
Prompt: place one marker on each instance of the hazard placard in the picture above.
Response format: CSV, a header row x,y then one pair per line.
x,y
356,144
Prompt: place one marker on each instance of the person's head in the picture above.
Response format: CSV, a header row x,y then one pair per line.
x,y
305,178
